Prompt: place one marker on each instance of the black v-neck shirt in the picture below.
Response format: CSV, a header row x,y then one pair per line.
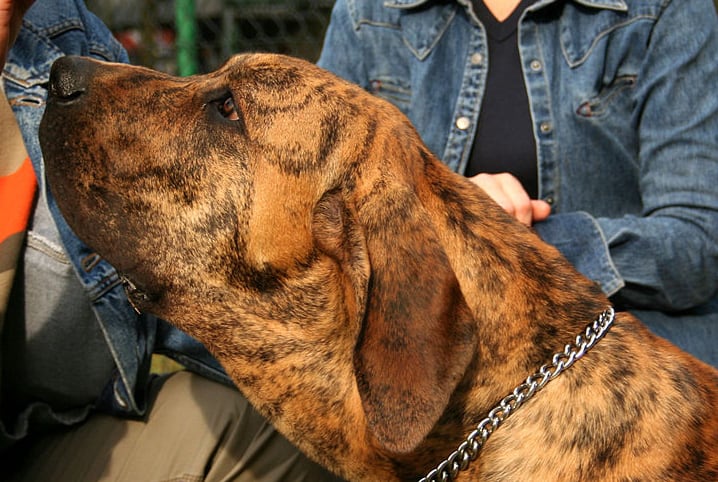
x,y
504,140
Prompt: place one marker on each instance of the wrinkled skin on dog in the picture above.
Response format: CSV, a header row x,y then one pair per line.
x,y
369,302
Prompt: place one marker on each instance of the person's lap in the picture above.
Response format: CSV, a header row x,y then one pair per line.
x,y
197,430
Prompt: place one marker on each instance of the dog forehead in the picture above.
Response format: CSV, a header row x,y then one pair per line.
x,y
264,63
276,75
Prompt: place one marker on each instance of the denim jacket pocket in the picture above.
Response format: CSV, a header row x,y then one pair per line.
x,y
28,92
616,94
423,28
583,31
392,89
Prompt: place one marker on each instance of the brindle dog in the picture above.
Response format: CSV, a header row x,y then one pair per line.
x,y
369,302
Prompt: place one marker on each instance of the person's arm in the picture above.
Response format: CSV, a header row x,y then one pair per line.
x,y
666,259
11,146
17,179
11,13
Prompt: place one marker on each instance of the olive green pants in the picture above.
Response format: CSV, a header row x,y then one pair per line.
x,y
197,430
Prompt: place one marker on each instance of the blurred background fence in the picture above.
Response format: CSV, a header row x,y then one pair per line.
x,y
195,36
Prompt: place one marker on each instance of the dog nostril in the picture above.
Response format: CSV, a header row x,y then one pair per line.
x,y
65,90
69,77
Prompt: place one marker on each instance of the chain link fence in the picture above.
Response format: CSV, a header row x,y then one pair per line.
x,y
149,29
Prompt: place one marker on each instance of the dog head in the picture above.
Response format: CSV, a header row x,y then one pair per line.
x,y
280,215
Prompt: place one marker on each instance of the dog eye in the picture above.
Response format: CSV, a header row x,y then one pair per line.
x,y
228,109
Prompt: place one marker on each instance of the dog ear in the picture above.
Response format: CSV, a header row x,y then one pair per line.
x,y
337,234
418,336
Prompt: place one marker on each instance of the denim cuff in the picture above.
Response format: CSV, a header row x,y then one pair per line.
x,y
580,239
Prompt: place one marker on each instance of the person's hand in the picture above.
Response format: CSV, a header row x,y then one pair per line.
x,y
11,12
508,193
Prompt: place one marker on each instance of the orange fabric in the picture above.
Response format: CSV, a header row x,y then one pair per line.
x,y
17,191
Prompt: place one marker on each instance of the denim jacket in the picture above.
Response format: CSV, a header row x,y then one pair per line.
x,y
625,122
51,29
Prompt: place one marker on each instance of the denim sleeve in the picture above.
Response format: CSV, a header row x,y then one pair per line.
x,y
580,239
666,258
186,350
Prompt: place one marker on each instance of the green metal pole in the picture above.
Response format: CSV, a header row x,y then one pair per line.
x,y
186,37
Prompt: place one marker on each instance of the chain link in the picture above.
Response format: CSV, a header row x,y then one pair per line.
x,y
468,451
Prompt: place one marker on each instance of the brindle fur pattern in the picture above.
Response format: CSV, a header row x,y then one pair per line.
x,y
372,304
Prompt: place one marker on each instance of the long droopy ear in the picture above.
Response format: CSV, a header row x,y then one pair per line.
x,y
418,334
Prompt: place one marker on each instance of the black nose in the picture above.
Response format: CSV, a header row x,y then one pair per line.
x,y
70,77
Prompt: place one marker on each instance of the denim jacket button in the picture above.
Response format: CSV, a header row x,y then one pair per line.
x,y
535,65
477,59
463,123
546,127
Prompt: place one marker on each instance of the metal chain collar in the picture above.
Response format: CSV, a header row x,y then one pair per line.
x,y
469,449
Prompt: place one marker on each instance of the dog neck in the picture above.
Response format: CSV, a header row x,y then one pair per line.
x,y
454,306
